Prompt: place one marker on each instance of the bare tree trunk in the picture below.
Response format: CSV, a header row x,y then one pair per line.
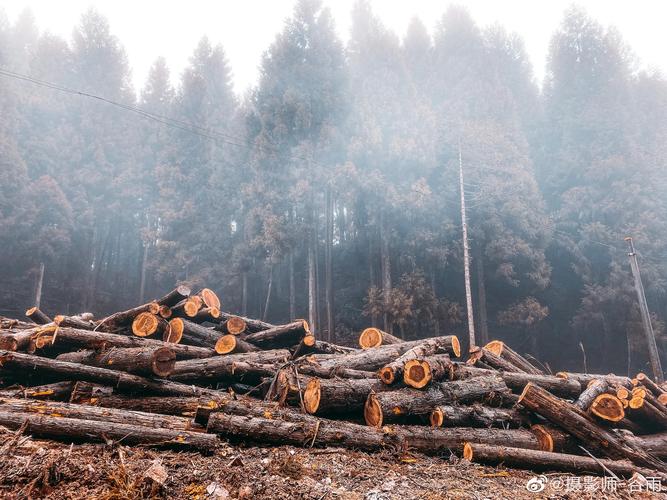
x,y
244,294
329,266
371,273
268,293
142,284
292,288
386,272
481,296
312,270
40,282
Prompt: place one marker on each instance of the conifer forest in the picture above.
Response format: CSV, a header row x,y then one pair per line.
x,y
330,190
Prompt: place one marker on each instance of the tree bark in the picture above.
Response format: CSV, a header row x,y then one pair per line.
x,y
149,361
500,349
280,336
478,415
252,325
261,363
396,406
393,371
577,423
37,316
124,318
418,373
478,354
330,396
60,391
182,330
544,460
90,430
228,344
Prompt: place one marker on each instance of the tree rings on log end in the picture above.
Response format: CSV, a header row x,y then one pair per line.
x,y
373,411
417,373
210,298
174,333
165,312
163,361
308,340
312,396
145,324
386,374
370,337
608,407
495,346
225,344
235,325
456,346
437,417
663,398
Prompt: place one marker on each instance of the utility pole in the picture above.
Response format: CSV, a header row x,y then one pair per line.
x,y
653,354
466,256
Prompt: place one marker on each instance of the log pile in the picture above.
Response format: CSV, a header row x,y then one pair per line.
x,y
181,372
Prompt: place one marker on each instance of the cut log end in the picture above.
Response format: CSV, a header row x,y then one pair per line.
x,y
235,325
635,403
622,393
417,373
525,391
312,396
437,417
164,360
370,337
210,298
495,346
165,312
373,411
154,308
544,437
456,346
192,306
608,407
386,374
225,344
662,399
308,340
145,324
467,452
174,333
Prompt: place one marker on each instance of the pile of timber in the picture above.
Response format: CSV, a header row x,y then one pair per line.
x,y
180,372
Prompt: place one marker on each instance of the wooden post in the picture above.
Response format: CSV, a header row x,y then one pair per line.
x,y
466,256
653,354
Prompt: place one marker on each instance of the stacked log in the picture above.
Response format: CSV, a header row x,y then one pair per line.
x,y
181,372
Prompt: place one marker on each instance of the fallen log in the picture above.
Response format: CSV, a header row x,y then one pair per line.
x,y
228,344
100,341
220,367
183,330
586,378
322,347
344,373
252,325
393,371
644,412
594,389
607,407
395,406
206,315
100,431
37,316
56,391
477,415
483,355
418,373
124,318
577,423
158,361
179,293
518,380
374,337
502,350
17,340
652,386
209,298
74,322
121,416
15,362
187,308
280,336
146,324
331,396
544,460
233,325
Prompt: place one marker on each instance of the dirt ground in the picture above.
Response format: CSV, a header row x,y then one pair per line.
x,y
31,468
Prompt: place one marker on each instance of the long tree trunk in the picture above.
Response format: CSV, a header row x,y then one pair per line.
x,y
386,272
142,282
268,293
481,295
38,288
244,294
331,337
312,270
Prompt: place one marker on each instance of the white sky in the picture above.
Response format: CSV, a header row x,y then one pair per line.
x,y
172,28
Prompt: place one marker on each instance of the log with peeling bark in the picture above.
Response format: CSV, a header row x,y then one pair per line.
x,y
481,355
395,406
18,340
280,336
392,372
179,293
577,423
76,338
37,316
502,350
313,431
477,415
374,337
183,330
343,373
228,344
15,362
158,361
594,389
543,461
125,318
518,380
91,430
586,378
59,391
121,416
74,322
